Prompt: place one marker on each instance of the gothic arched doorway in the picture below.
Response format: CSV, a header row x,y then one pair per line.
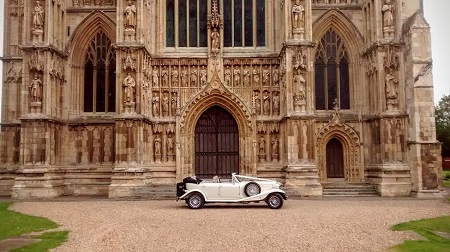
x,y
216,144
335,159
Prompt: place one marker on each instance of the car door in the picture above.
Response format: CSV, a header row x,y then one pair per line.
x,y
229,191
211,190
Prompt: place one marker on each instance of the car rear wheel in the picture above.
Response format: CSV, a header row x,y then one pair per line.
x,y
195,201
275,201
252,189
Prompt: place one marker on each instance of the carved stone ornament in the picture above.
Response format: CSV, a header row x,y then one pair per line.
x,y
36,62
129,62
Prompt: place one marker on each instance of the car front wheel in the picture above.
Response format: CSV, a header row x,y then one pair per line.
x,y
195,201
275,201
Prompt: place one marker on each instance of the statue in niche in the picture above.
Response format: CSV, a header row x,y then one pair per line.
x,y
165,77
276,103
157,145
193,77
256,102
36,89
237,76
275,144
155,104
130,16
184,77
246,76
76,2
266,100
165,105
227,76
170,145
215,38
388,14
256,76
129,84
203,78
38,16
300,82
298,16
173,103
275,77
266,76
87,2
175,77
262,145
98,2
155,77
391,86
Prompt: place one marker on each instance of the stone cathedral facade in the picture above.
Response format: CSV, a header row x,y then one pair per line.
x,y
123,98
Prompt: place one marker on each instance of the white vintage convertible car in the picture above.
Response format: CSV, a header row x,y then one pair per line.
x,y
240,189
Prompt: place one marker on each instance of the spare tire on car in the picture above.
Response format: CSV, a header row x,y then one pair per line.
x,y
252,189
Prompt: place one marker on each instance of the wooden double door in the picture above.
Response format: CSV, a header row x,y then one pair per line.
x,y
216,144
335,159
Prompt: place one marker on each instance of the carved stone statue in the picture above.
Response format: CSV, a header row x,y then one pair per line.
x,y
227,78
193,77
170,145
38,16
165,77
275,145
155,104
298,16
275,77
184,77
246,76
215,40
266,100
391,86
300,82
155,77
203,78
129,84
36,89
276,103
130,16
262,145
256,76
175,77
157,145
165,105
257,102
388,14
173,103
266,76
237,76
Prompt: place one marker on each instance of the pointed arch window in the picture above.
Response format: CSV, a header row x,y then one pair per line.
x,y
100,76
331,73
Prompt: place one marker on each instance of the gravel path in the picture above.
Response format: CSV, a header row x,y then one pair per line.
x,y
356,224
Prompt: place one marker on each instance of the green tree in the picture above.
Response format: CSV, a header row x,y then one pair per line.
x,y
443,124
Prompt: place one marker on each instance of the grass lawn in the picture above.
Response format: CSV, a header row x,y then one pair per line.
x,y
15,224
446,182
426,228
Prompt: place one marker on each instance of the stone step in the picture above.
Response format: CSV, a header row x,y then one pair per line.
x,y
349,190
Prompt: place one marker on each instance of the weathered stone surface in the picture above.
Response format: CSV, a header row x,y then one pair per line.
x,y
98,101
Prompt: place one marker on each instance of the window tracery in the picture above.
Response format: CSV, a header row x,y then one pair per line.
x,y
331,73
99,76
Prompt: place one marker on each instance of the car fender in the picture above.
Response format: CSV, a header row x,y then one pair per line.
x,y
264,195
188,193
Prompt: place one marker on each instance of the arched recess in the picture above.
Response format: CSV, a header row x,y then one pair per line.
x,y
337,22
97,22
191,114
350,141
